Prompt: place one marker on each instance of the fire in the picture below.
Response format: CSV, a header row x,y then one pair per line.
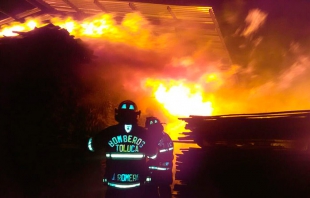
x,y
10,30
97,26
181,100
177,98
103,26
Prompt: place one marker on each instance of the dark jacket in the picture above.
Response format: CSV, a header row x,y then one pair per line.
x,y
126,154
160,168
164,157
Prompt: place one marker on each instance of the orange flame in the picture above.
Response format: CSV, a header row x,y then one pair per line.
x,y
30,24
183,100
178,98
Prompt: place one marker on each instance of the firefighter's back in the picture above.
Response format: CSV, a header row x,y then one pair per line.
x,y
160,168
127,145
126,157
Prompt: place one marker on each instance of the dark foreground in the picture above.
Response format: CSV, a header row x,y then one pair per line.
x,y
236,172
210,172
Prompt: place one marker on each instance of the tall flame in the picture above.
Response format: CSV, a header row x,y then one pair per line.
x,y
180,99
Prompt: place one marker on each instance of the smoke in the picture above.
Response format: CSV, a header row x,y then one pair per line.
x,y
269,52
133,56
269,43
255,19
135,51
271,71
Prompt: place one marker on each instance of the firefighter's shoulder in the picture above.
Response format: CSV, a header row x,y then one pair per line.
x,y
140,128
105,134
166,136
102,132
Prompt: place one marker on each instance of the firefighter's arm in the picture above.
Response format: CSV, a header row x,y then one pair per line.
x,y
152,150
152,155
90,144
96,143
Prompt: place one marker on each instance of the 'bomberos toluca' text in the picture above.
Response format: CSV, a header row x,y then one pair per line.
x,y
126,143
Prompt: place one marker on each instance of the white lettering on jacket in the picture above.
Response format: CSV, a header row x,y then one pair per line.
x,y
126,143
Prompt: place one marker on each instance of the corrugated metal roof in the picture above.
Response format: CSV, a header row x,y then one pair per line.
x,y
198,17
19,16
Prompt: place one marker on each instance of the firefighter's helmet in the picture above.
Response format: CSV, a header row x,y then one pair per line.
x,y
153,123
127,112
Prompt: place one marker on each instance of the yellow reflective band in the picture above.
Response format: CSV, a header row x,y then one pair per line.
x,y
126,155
90,144
153,157
165,150
158,168
132,185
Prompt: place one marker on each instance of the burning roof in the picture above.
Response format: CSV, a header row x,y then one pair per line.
x,y
167,18
165,56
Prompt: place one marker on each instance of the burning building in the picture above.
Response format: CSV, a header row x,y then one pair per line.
x,y
177,57
169,53
172,60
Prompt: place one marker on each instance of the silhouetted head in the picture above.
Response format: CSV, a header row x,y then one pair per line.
x,y
154,124
127,112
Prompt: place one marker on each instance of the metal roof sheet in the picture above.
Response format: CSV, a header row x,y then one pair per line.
x,y
199,17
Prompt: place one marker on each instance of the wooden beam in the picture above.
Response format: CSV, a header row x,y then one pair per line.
x,y
172,14
132,6
42,4
97,3
12,16
74,7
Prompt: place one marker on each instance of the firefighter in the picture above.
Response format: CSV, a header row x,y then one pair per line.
x,y
127,147
160,168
